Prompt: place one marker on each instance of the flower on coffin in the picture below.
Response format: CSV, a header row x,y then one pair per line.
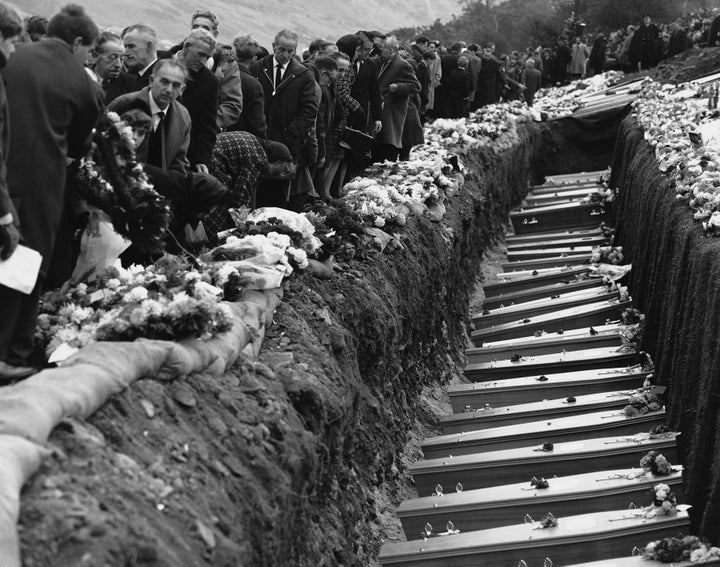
x,y
607,255
539,483
656,463
679,548
631,316
642,403
557,102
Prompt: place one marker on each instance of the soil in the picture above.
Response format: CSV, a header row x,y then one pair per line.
x,y
300,457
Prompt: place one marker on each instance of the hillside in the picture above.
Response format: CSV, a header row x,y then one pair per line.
x,y
261,18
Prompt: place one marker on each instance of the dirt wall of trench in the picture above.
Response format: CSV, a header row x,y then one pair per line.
x,y
293,459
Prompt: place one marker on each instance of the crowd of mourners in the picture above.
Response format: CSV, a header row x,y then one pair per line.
x,y
221,126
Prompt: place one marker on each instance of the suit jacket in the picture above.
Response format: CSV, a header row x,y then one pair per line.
x,y
55,105
230,102
177,133
395,105
366,91
124,83
252,117
200,97
291,109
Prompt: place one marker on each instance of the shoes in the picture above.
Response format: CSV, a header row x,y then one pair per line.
x,y
10,372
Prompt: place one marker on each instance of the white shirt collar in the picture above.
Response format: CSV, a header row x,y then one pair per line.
x,y
145,70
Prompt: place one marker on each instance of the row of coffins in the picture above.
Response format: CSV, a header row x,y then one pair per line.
x,y
556,452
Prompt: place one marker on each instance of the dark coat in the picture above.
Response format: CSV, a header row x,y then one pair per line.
x,y
395,105
6,205
365,90
490,80
122,84
458,92
177,133
252,117
54,105
291,111
200,97
644,46
532,79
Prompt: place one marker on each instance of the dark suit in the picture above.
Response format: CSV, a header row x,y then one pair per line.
x,y
200,97
532,79
252,117
122,84
365,90
291,110
54,106
447,64
177,133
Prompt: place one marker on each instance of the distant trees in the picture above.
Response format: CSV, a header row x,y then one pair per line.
x,y
514,24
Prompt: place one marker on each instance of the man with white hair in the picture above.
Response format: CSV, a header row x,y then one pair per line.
x,y
200,96
292,100
397,82
140,52
230,102
532,80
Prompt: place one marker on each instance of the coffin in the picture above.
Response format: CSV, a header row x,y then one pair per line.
x,y
572,340
631,561
558,217
571,318
590,425
466,397
541,291
515,284
545,253
597,535
568,241
565,178
485,508
556,261
485,418
506,466
579,193
564,299
547,364
512,239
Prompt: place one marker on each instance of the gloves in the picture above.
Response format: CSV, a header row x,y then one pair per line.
x,y
9,239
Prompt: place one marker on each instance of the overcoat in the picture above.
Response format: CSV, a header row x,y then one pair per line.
x,y
395,105
291,110
53,105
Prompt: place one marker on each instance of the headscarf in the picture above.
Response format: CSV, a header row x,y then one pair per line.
x,y
347,44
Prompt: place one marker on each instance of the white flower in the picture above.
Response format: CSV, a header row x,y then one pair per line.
x,y
113,283
299,257
136,294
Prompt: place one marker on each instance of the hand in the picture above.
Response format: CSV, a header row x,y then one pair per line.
x,y
201,168
393,88
320,163
9,240
378,126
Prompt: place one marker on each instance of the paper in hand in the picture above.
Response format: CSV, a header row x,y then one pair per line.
x,y
20,271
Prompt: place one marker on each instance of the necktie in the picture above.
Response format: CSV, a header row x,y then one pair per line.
x,y
160,115
278,76
156,145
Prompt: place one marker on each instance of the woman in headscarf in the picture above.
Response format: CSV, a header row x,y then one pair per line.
x,y
351,46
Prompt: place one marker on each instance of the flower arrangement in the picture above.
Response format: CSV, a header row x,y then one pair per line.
x,y
167,300
539,483
111,179
607,255
669,120
558,102
631,316
664,502
549,521
679,548
656,463
642,403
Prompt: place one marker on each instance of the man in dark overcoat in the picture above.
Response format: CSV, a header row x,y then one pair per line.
x,y
53,106
292,100
397,83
